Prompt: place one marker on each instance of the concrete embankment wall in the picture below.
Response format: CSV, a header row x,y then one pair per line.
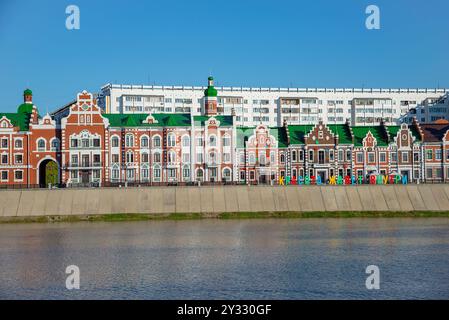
x,y
212,200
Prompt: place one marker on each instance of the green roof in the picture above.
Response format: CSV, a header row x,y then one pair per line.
x,y
225,121
21,120
360,133
298,132
28,92
210,92
393,131
25,108
281,136
243,134
137,120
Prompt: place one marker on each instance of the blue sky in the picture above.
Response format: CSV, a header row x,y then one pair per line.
x,y
316,43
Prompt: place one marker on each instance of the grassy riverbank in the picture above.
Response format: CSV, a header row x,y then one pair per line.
x,y
224,216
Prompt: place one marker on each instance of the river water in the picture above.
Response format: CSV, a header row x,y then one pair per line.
x,y
227,259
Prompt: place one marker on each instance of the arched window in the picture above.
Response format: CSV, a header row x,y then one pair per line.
x,y
294,156
311,155
41,145
157,142
171,156
115,174
55,144
186,171
213,159
157,173
130,157
144,142
144,173
186,141
115,142
262,159
171,140
227,174
282,158
199,174
129,140
212,141
252,158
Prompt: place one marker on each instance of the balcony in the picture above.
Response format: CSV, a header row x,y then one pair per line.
x,y
84,165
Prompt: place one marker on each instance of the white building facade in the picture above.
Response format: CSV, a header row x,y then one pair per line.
x,y
271,106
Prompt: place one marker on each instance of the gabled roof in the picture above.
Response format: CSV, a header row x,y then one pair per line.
x,y
137,120
21,118
393,131
360,133
225,121
279,133
298,132
434,132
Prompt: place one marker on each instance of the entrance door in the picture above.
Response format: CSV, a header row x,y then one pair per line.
x,y
406,173
322,175
85,176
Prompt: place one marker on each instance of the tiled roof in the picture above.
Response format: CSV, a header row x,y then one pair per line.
x,y
279,133
137,120
393,131
297,133
21,118
360,133
434,132
225,121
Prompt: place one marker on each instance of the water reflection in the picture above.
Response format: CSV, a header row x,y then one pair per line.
x,y
260,259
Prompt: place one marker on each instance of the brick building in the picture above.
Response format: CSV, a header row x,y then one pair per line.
x,y
85,146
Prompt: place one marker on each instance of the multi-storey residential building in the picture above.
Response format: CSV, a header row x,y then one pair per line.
x,y
84,145
271,106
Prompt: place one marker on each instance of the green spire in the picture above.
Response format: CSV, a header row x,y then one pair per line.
x,y
210,91
28,92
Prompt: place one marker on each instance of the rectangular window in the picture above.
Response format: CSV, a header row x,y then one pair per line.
x,y
4,143
4,159
74,159
18,144
382,157
429,154
394,156
199,157
18,175
404,156
96,143
348,155
115,158
4,175
18,159
360,157
186,157
226,157
416,156
74,143
438,154
371,157
429,173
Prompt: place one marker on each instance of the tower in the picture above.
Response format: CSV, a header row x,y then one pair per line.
x,y
210,98
28,96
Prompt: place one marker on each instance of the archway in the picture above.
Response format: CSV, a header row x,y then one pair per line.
x,y
48,173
